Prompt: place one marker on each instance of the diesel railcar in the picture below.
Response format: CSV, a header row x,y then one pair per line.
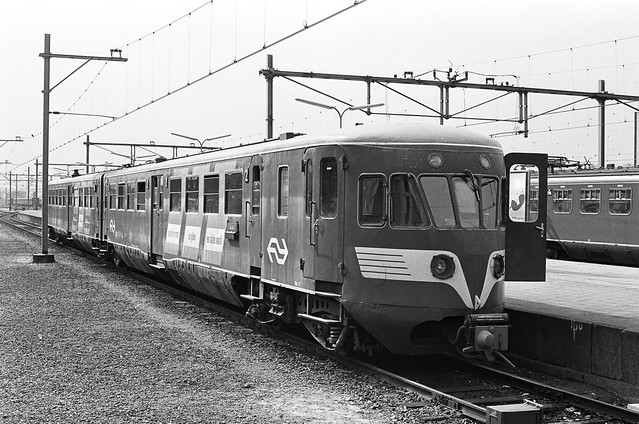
x,y
591,216
388,237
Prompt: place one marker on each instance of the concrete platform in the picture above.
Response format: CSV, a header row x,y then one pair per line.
x,y
585,318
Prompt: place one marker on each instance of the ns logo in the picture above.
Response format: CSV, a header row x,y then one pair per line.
x,y
277,252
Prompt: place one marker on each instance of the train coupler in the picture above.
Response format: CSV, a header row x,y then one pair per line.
x,y
487,334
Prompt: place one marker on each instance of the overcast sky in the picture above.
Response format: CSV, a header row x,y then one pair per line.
x,y
377,37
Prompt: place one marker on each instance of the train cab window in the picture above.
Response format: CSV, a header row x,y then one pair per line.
x,y
192,194
141,195
620,201
175,194
589,201
371,205
121,195
282,191
562,201
130,195
233,193
328,187
309,187
467,201
406,209
211,194
489,202
256,191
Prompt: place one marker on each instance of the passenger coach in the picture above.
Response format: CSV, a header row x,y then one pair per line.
x,y
379,236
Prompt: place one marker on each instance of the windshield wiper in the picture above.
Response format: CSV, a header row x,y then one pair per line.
x,y
473,184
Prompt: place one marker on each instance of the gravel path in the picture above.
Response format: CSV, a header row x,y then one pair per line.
x,y
82,343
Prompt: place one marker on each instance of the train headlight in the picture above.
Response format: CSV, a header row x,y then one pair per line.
x,y
442,266
498,266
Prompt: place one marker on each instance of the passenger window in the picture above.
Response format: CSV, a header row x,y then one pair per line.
x,y
562,201
328,188
141,196
372,208
439,200
589,201
211,194
256,196
113,196
192,194
175,195
233,193
130,196
405,207
620,201
282,189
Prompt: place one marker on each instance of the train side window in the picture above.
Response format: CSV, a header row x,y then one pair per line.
x,y
130,195
113,196
282,191
328,187
81,197
86,196
406,209
256,196
620,201
192,194
233,193
309,187
371,205
589,201
175,194
211,194
141,195
562,201
76,197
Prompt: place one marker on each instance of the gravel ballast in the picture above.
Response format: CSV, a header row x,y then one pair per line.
x,y
80,342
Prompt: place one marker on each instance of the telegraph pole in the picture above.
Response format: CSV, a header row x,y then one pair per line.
x,y
45,257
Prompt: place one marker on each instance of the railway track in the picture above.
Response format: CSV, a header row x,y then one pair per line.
x,y
469,387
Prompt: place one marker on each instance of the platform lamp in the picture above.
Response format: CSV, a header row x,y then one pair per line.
x,y
116,56
340,114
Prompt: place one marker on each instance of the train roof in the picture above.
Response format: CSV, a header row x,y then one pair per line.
x,y
595,176
416,134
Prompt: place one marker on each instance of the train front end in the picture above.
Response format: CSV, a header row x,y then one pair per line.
x,y
424,242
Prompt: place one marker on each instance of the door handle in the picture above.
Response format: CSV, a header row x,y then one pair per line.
x,y
541,229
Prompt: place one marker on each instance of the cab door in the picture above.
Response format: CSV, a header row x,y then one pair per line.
x,y
324,214
253,211
525,216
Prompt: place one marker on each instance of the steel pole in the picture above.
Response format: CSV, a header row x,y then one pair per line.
x,y
602,125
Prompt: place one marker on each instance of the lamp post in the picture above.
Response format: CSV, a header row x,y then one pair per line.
x,y
201,143
45,257
340,114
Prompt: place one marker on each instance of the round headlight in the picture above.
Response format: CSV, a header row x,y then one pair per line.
x,y
484,161
498,266
442,266
435,160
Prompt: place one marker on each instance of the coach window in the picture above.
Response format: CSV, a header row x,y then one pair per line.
x,y
328,187
562,201
141,195
113,196
371,205
406,209
130,195
282,191
589,201
233,193
121,195
76,197
620,201
175,194
86,194
211,194
192,194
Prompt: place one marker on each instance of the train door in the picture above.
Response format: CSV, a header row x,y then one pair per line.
x,y
324,210
156,218
253,211
525,216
